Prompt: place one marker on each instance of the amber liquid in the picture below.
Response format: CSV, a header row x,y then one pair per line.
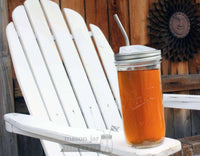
x,y
142,108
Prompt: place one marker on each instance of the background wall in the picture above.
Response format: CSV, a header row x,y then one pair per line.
x,y
133,14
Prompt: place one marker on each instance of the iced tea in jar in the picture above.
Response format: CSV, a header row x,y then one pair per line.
x,y
141,95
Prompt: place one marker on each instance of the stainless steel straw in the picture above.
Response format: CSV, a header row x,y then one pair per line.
x,y
122,29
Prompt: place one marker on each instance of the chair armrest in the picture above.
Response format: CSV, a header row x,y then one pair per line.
x,y
181,101
43,129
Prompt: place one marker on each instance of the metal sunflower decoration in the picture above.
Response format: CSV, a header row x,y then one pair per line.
x,y
174,27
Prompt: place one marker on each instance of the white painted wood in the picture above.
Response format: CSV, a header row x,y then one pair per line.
x,y
94,69
54,64
61,134
191,102
38,67
28,86
73,65
107,56
26,81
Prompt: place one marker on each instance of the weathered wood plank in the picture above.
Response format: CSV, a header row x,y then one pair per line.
x,y
27,146
169,112
121,9
172,83
195,116
8,142
182,122
77,5
138,11
96,13
57,1
194,68
165,66
17,90
12,4
169,122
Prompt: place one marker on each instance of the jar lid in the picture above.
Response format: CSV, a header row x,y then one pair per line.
x,y
137,53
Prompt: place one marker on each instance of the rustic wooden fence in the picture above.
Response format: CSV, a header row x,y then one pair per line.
x,y
179,77
8,144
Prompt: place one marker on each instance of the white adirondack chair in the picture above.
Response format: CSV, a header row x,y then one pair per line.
x,y
70,96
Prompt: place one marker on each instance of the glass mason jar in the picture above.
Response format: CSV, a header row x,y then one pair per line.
x,y
141,95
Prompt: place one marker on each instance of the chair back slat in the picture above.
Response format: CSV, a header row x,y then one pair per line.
x,y
24,74
54,64
37,64
107,57
29,86
93,69
39,69
73,66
